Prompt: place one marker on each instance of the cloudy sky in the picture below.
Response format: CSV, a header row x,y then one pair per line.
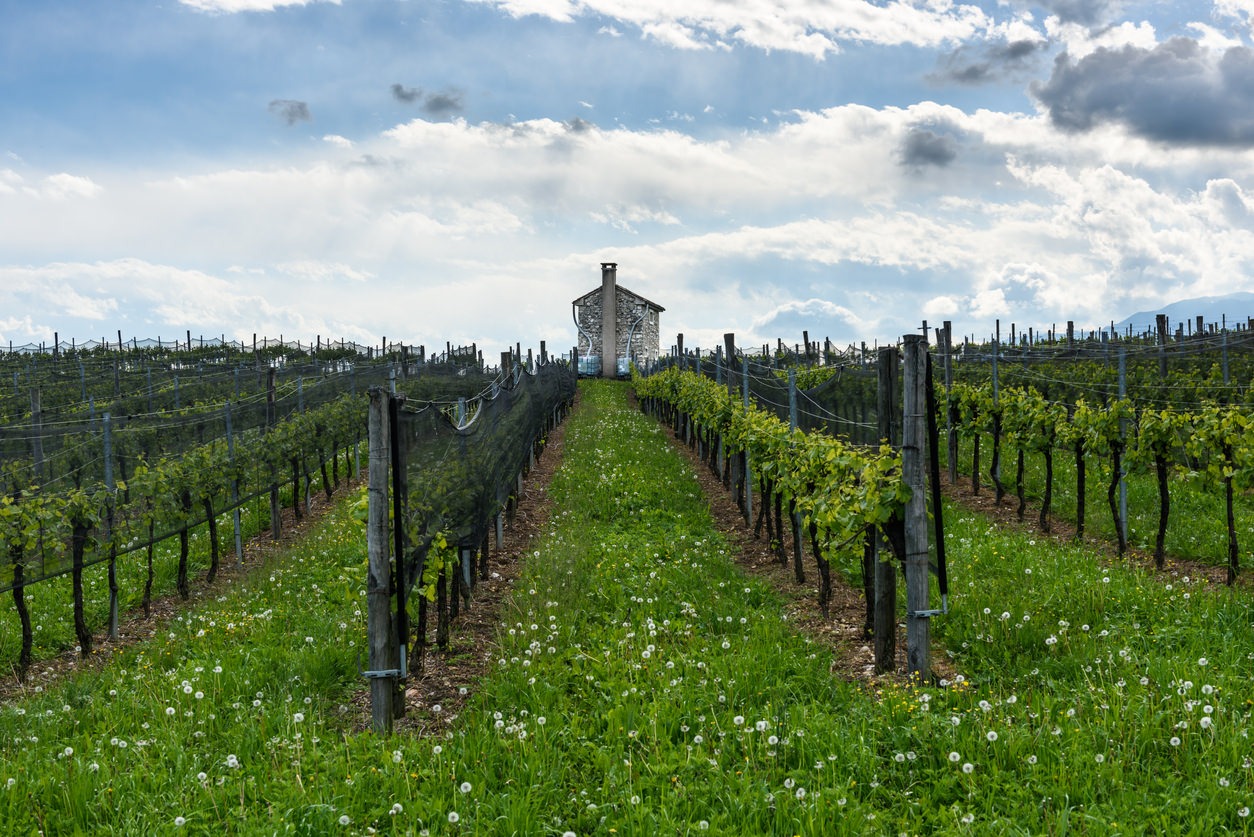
x,y
456,170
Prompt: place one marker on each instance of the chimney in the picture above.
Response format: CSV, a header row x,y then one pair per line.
x,y
609,320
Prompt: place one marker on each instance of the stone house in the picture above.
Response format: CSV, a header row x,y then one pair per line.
x,y
608,346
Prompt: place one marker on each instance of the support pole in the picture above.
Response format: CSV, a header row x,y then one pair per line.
x,y
382,640
913,465
884,619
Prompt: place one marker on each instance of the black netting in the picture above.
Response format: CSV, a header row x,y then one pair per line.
x,y
462,458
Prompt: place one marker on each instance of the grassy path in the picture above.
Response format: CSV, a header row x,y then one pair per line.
x,y
643,685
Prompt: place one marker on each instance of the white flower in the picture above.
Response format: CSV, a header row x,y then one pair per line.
x,y
991,736
344,818
179,822
299,717
465,787
396,809
968,767
453,816
955,758
738,720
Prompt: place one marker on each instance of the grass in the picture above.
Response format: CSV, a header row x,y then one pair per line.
x,y
1196,525
51,602
643,685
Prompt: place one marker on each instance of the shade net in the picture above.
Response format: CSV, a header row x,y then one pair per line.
x,y
461,460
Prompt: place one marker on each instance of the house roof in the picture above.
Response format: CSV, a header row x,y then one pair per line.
x,y
597,292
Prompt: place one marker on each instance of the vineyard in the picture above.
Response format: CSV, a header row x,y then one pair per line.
x,y
116,457
641,679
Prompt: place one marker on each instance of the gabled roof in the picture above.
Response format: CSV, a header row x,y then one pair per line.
x,y
597,292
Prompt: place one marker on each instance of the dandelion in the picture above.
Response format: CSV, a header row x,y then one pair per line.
x,y
899,757
1032,759
1099,758
991,736
967,819
453,817
1051,640
465,787
179,822
968,767
1175,741
704,825
739,720
396,809
1206,722
635,800
801,793
541,720
299,717
344,819
67,752
437,749
1201,661
232,761
955,758
169,710
1243,811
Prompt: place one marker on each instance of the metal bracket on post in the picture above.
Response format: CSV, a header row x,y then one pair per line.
x,y
402,672
926,614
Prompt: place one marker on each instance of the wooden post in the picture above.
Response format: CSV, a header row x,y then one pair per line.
x,y
885,610
381,638
913,468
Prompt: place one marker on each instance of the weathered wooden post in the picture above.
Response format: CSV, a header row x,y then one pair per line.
x,y
380,637
913,464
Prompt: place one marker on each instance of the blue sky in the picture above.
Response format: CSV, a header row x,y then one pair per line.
x,y
456,170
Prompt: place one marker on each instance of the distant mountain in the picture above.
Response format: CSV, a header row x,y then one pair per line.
x,y
1236,308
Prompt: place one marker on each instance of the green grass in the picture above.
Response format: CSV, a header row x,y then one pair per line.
x,y
1196,525
643,685
51,602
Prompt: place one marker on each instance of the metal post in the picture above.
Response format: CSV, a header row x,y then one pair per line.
x,y
884,616
230,454
109,507
1123,434
744,393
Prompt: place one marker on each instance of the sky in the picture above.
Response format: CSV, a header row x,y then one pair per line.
x,y
455,171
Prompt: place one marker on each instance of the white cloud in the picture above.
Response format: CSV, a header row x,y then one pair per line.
x,y
337,141
1081,40
810,27
1024,224
61,186
235,6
